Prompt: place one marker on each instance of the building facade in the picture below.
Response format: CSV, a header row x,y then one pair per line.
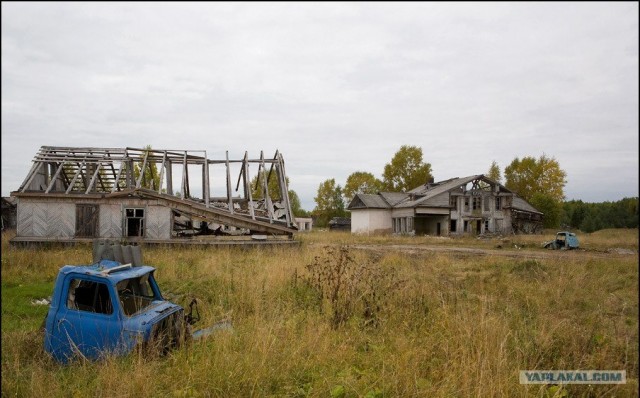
x,y
468,205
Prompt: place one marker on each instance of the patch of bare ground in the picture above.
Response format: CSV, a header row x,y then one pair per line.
x,y
514,253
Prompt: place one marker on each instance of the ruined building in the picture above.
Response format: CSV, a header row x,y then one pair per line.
x,y
76,194
474,205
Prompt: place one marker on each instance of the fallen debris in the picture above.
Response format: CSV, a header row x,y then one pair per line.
x,y
43,301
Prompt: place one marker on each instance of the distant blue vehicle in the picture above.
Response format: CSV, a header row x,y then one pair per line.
x,y
110,308
564,241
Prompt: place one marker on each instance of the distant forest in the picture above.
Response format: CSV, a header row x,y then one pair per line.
x,y
590,217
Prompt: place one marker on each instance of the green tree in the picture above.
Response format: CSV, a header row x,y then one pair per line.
x,y
296,206
540,182
406,170
272,185
274,193
494,172
361,182
329,203
590,217
528,176
574,212
151,176
551,208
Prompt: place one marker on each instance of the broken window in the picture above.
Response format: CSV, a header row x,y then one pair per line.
x,y
134,222
466,204
135,294
86,221
498,204
402,224
453,226
453,202
486,225
476,203
89,296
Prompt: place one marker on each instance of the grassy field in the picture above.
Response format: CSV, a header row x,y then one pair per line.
x,y
400,323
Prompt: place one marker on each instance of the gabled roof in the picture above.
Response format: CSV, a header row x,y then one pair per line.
x,y
428,191
368,201
381,200
421,195
393,198
519,203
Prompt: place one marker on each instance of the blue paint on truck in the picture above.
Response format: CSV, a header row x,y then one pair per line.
x,y
564,240
109,308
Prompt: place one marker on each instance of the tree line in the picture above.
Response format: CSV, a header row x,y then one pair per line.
x,y
540,181
590,217
405,171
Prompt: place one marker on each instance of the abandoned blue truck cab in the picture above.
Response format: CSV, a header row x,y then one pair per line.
x,y
564,240
109,308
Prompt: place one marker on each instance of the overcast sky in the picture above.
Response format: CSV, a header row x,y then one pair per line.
x,y
336,87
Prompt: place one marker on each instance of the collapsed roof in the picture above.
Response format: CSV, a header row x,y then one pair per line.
x,y
151,174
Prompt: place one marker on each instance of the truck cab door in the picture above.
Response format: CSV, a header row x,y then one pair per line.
x,y
88,322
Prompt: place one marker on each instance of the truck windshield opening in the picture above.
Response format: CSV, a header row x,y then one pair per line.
x,y
135,294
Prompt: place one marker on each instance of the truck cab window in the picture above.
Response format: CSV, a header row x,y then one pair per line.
x,y
135,294
89,296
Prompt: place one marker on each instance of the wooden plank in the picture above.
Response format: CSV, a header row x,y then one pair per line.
x,y
144,165
34,172
229,185
86,220
247,188
101,180
80,167
113,169
164,159
158,222
241,174
73,180
282,182
110,221
152,183
116,183
54,178
93,179
169,179
265,187
286,188
205,177
184,176
271,168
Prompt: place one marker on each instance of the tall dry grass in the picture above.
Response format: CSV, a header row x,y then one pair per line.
x,y
451,327
602,240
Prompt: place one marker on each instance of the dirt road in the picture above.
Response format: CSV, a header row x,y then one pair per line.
x,y
511,252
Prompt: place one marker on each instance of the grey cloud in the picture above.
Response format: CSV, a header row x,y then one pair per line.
x,y
336,87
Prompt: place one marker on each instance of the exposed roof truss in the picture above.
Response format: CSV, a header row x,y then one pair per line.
x,y
105,172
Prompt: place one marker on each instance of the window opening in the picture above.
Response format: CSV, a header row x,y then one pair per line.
x,y
135,294
134,219
89,296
